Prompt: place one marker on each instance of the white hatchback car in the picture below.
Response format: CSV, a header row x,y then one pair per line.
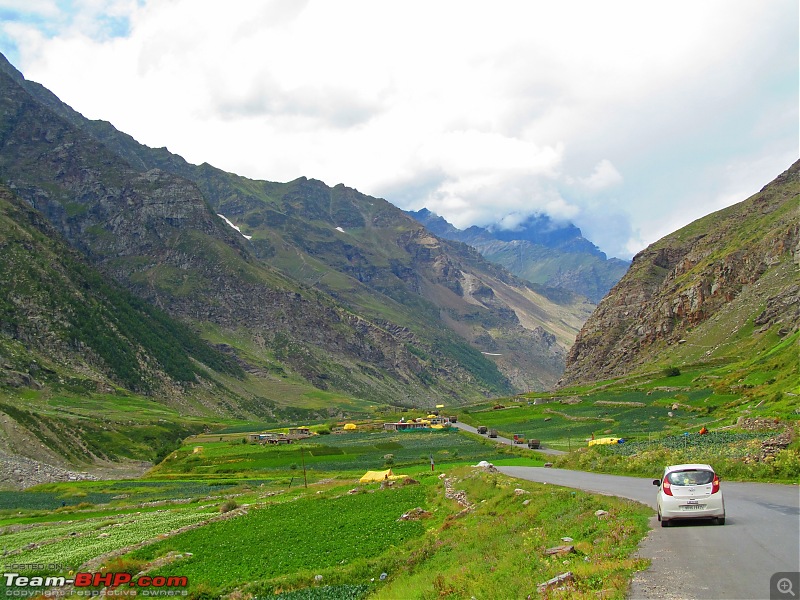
x,y
689,492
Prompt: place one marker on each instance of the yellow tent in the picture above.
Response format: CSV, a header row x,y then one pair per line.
x,y
604,441
350,426
371,476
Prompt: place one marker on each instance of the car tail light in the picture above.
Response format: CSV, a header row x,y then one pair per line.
x,y
715,485
668,488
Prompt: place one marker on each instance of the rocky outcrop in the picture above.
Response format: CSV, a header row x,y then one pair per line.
x,y
17,472
683,280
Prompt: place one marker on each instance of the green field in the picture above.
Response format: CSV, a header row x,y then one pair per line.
x,y
284,538
325,454
631,414
338,539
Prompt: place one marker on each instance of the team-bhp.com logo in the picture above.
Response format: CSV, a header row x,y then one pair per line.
x,y
159,585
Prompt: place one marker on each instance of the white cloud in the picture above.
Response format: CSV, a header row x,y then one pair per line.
x,y
41,8
603,176
479,112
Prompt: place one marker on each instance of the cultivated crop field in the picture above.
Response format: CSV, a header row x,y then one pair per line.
x,y
282,538
463,532
728,443
659,417
50,497
733,454
323,454
563,421
75,542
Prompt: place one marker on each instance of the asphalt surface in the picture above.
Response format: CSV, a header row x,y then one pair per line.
x,y
694,560
502,440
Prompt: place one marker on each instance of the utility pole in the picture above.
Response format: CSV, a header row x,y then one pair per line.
x,y
303,460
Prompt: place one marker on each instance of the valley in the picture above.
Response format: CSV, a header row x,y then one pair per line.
x,y
165,328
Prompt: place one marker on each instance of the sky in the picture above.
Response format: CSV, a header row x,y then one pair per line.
x,y
627,118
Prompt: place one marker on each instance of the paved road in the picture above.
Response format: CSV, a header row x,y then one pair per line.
x,y
502,440
697,560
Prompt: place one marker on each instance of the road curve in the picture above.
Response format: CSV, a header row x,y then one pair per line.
x,y
503,440
691,560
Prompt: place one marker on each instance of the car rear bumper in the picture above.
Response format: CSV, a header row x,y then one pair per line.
x,y
707,508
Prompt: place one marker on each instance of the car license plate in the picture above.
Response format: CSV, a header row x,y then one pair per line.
x,y
693,506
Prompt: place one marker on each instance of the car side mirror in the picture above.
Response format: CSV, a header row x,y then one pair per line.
x,y
656,482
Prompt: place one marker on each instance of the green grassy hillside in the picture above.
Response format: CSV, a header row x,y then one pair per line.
x,y
722,289
750,408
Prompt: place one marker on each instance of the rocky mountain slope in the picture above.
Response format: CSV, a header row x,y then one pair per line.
x,y
724,288
298,282
59,316
539,251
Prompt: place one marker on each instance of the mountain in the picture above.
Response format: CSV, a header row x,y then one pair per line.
x,y
66,330
56,305
301,284
722,290
540,251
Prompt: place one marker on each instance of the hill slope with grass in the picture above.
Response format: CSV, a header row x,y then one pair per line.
x,y
722,290
66,332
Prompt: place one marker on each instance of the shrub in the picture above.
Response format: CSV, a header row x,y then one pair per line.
x,y
228,506
131,566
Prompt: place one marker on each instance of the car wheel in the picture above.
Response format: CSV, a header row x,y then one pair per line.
x,y
664,523
720,520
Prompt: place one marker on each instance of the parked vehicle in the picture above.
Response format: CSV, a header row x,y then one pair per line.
x,y
454,419
482,429
493,433
690,491
534,444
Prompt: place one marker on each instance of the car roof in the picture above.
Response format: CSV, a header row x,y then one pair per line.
x,y
688,467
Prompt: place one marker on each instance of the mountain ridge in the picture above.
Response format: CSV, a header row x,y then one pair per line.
x,y
539,251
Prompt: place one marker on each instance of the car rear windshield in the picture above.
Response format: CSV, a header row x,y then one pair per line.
x,y
690,477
